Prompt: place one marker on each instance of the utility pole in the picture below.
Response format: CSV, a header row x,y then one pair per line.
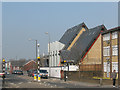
x,y
49,53
36,49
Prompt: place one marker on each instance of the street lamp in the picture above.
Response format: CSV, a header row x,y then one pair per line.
x,y
36,45
38,49
49,50
49,43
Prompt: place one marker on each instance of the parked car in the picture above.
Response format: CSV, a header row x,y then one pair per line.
x,y
44,74
2,75
31,72
18,72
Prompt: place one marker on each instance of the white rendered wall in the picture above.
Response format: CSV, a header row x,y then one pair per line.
x,y
55,47
55,71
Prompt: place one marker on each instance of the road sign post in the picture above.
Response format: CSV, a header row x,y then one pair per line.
x,y
3,68
38,68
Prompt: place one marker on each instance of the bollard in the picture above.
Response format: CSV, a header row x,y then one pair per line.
x,y
39,78
65,76
35,77
100,81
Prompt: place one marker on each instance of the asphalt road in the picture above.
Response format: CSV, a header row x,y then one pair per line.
x,y
21,81
24,81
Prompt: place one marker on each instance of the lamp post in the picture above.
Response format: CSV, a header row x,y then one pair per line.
x,y
36,45
49,51
36,48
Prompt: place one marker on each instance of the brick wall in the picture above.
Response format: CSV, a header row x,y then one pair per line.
x,y
94,55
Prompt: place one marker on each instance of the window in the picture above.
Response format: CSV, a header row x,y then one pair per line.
x,y
106,51
114,35
115,66
115,50
106,37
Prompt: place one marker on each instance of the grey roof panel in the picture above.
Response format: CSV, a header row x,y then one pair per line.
x,y
70,34
82,44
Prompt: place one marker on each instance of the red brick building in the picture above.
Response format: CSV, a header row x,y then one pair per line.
x,y
29,65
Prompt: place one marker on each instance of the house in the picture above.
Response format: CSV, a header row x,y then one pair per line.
x,y
15,65
85,51
30,64
66,42
110,51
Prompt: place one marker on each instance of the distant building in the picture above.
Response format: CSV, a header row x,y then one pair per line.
x,y
14,65
31,64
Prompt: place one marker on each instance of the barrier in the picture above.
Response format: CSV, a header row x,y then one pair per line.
x,y
39,78
35,77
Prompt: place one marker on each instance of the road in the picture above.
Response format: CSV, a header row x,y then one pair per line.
x,y
23,81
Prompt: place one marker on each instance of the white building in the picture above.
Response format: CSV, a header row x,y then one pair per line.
x,y
55,47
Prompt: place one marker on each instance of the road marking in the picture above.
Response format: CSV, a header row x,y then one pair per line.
x,y
20,83
17,87
11,83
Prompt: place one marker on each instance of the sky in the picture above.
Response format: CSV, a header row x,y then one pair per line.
x,y
24,20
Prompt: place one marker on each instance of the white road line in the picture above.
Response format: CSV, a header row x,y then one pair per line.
x,y
17,87
12,83
20,83
29,82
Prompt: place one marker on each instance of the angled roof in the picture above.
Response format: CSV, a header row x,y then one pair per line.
x,y
17,63
82,45
70,34
27,62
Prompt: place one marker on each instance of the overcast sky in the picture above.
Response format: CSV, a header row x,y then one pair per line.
x,y
22,21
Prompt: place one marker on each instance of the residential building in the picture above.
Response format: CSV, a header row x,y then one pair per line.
x,y
15,65
29,65
110,50
85,51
